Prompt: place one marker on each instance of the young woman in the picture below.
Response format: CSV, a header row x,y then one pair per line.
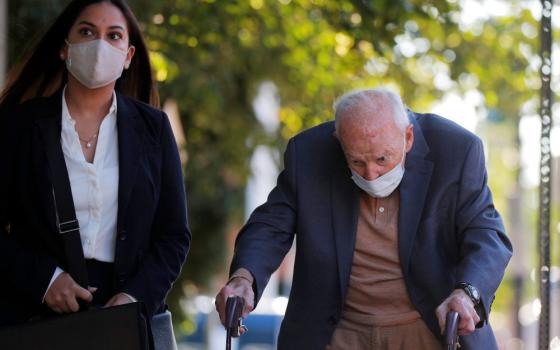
x,y
89,83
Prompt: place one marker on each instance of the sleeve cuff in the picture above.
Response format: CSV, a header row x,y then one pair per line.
x,y
56,273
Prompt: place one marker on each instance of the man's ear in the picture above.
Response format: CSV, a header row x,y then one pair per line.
x,y
409,136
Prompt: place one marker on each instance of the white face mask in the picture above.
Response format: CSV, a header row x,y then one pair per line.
x,y
95,63
384,185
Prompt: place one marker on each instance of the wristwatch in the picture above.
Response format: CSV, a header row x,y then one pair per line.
x,y
471,291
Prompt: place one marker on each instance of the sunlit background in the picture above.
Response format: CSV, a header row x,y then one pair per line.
x,y
238,78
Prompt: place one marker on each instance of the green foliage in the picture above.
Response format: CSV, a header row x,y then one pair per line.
x,y
498,54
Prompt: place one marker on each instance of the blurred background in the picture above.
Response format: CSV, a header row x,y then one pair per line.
x,y
239,78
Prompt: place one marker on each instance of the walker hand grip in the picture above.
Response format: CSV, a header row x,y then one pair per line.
x,y
234,311
451,326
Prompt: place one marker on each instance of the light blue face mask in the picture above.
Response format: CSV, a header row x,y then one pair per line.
x,y
385,184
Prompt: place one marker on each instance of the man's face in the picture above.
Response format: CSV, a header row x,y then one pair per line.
x,y
373,146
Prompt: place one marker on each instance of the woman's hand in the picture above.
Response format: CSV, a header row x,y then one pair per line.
x,y
63,293
119,299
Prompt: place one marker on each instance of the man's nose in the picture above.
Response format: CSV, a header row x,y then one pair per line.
x,y
372,172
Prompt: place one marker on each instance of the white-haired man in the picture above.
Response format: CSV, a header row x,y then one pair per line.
x,y
394,224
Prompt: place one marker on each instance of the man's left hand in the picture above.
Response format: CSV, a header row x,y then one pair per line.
x,y
119,299
460,302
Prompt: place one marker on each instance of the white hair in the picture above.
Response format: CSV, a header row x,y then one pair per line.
x,y
372,101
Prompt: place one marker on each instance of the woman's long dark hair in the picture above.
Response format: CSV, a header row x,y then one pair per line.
x,y
43,72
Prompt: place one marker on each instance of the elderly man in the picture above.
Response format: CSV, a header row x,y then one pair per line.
x,y
394,225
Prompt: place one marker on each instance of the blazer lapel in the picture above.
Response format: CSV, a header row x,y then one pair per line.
x,y
413,191
345,210
130,151
48,122
130,145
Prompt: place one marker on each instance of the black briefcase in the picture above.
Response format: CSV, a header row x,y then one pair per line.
x,y
123,327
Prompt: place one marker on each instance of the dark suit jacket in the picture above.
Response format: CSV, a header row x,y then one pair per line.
x,y
449,230
152,230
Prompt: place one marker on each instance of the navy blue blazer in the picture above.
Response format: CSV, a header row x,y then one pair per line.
x,y
449,230
153,237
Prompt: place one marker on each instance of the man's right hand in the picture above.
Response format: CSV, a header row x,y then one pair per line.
x,y
237,286
63,293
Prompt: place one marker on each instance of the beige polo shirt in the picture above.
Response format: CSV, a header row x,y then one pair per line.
x,y
377,294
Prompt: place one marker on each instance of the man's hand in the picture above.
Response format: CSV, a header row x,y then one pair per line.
x,y
237,286
62,295
119,299
459,301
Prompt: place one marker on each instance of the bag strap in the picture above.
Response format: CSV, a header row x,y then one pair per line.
x,y
67,224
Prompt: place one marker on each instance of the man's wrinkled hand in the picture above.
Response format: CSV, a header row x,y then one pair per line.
x,y
236,287
460,302
63,294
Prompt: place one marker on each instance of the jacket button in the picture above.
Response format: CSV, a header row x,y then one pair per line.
x,y
122,235
333,320
122,277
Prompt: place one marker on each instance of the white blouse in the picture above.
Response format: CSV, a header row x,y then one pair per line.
x,y
94,185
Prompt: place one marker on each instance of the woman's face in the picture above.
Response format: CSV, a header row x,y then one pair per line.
x,y
101,21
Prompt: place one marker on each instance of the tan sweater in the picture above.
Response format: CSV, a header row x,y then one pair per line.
x,y
377,294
